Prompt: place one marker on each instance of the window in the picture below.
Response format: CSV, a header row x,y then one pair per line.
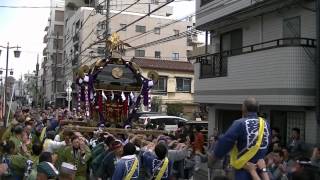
x,y
291,29
58,30
58,44
157,30
100,50
59,15
101,26
59,58
122,26
183,84
175,56
231,41
176,32
141,29
156,2
139,53
157,54
161,85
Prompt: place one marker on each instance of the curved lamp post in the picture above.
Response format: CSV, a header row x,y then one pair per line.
x,y
17,54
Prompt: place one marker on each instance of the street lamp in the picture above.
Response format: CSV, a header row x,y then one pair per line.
x,y
17,54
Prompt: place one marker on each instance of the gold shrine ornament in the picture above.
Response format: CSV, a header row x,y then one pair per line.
x,y
117,72
115,41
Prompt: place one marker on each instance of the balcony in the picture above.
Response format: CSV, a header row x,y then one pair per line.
x,y
45,38
75,38
45,51
278,72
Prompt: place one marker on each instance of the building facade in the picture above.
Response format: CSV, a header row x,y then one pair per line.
x,y
52,66
85,26
260,48
175,85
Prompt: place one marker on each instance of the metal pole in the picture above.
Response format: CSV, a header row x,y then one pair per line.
x,y
7,120
55,72
317,66
5,87
37,74
206,45
69,99
107,2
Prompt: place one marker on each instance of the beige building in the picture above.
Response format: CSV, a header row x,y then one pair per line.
x,y
85,26
175,85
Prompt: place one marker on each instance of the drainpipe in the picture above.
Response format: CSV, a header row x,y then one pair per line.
x,y
206,47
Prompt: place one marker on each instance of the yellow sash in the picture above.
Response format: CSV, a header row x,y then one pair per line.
x,y
238,163
43,133
132,170
163,169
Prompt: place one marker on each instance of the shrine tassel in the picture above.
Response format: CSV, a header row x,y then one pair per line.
x,y
126,106
79,98
87,113
100,101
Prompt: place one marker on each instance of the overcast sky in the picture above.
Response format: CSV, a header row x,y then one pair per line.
x,y
25,27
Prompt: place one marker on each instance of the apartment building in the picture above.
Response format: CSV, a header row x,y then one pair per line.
x,y
86,26
262,48
52,73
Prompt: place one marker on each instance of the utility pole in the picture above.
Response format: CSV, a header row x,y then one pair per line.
x,y
55,71
37,75
317,66
107,3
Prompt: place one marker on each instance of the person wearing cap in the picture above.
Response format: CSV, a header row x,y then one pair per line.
x,y
157,163
127,167
78,154
107,167
45,168
67,171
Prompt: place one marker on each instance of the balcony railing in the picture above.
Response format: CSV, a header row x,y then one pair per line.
x,y
215,65
204,2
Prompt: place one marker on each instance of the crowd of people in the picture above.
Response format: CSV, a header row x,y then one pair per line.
x,y
36,146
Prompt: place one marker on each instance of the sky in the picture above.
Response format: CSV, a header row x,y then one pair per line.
x,y
25,28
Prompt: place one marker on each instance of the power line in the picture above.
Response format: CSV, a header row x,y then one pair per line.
x,y
104,21
124,9
29,7
167,39
49,7
170,23
163,26
148,14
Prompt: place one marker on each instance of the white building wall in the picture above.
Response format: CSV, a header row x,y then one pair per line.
x,y
279,69
217,9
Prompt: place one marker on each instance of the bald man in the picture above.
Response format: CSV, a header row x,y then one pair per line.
x,y
243,135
